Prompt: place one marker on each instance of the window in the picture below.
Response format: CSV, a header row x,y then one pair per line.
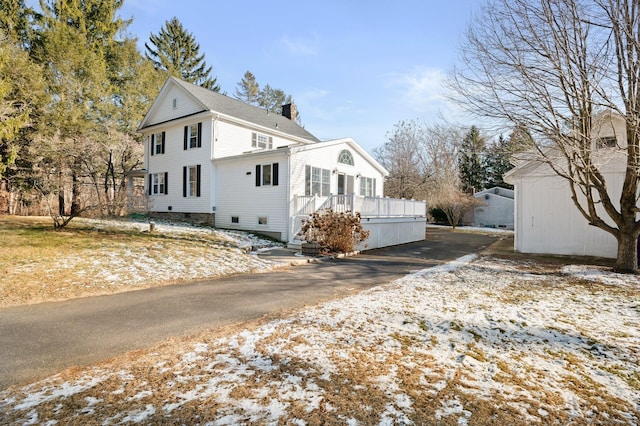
x,y
235,219
193,136
345,157
607,142
367,187
258,140
267,174
191,181
158,183
157,143
317,181
262,220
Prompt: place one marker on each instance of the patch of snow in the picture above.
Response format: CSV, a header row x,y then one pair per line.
x,y
601,274
477,326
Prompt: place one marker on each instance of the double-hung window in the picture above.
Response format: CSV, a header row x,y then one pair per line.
x,y
367,187
157,143
158,183
317,181
193,136
262,141
191,181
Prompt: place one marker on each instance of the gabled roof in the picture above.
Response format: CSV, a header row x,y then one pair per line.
x,y
234,108
351,143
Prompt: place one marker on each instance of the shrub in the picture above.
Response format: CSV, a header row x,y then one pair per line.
x,y
334,232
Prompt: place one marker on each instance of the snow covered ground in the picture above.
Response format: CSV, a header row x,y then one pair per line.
x,y
476,341
174,252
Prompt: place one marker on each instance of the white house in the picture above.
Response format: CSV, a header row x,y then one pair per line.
x,y
497,208
215,159
546,219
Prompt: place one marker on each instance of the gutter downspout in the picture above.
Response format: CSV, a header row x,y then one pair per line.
x,y
213,190
289,201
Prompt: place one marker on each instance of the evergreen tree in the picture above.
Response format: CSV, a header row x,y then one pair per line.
x,y
497,162
472,174
520,139
175,51
95,85
22,97
248,89
272,99
14,21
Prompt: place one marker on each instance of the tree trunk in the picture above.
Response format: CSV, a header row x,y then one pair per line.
x,y
75,194
627,260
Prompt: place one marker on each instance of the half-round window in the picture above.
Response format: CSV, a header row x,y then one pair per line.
x,y
345,157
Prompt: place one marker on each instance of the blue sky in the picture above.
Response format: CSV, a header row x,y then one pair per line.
x,y
353,67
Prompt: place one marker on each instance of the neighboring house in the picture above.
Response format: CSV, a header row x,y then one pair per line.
x,y
497,211
546,219
214,159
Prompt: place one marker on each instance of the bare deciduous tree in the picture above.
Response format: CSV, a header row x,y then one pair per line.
x,y
554,66
404,156
445,185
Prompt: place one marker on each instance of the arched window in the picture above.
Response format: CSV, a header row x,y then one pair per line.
x,y
345,157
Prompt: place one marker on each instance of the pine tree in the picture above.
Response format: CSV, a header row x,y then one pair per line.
x,y
14,21
248,89
22,97
272,99
175,51
497,162
472,174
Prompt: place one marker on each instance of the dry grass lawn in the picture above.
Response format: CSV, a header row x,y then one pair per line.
x,y
90,257
484,341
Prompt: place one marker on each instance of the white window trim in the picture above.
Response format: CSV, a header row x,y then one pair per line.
x,y
367,187
157,184
192,191
263,174
157,143
192,140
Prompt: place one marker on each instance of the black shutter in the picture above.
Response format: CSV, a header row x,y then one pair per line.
x,y
258,175
153,138
184,181
166,183
274,174
186,136
163,138
199,135
198,180
307,180
150,183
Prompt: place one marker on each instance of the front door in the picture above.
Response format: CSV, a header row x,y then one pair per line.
x,y
342,183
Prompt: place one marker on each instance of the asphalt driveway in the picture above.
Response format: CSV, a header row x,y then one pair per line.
x,y
40,340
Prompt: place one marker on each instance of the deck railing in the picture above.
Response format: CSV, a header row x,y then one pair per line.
x,y
368,207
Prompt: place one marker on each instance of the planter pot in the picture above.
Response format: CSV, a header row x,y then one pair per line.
x,y
310,249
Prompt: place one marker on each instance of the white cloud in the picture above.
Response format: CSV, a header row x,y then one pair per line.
x,y
300,46
421,89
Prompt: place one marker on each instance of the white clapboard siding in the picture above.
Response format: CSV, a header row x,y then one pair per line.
x,y
325,155
232,139
173,161
165,110
547,221
238,195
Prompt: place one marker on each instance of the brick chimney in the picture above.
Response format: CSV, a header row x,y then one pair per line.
x,y
290,111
